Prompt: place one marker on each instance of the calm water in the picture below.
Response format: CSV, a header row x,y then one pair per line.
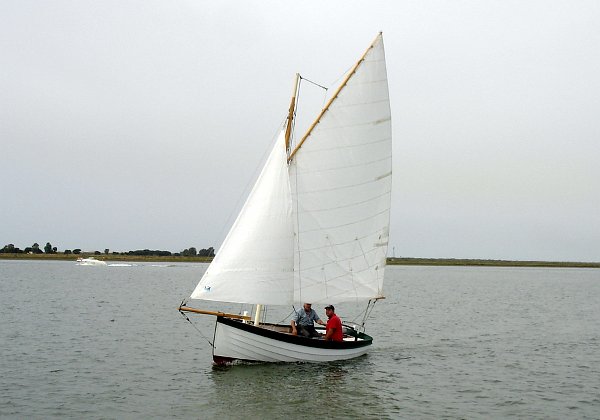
x,y
107,342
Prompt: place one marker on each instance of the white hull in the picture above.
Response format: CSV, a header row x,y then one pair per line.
x,y
236,341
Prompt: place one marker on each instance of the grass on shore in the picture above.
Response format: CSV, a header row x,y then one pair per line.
x,y
390,261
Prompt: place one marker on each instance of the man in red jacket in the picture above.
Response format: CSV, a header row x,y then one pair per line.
x,y
334,325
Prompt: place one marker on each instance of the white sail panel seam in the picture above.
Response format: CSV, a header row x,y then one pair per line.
x,y
365,82
346,126
347,272
369,270
346,147
373,216
360,238
336,168
356,203
345,187
342,105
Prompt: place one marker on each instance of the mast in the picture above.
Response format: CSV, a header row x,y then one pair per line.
x,y
290,118
335,95
257,314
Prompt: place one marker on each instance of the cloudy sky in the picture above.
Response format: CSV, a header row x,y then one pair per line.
x,y
142,124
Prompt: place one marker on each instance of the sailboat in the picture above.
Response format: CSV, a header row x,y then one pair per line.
x,y
314,228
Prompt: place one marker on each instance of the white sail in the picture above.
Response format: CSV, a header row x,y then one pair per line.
x,y
317,230
341,183
255,263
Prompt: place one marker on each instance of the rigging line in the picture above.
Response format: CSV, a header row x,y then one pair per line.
x,y
300,79
366,315
363,253
314,83
360,238
355,319
340,77
196,328
368,311
372,307
287,316
326,89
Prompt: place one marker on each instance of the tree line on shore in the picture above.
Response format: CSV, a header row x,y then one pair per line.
x,y
49,249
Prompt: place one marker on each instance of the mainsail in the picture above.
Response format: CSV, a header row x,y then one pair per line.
x,y
341,183
315,229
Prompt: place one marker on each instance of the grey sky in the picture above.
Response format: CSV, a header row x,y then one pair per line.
x,y
139,124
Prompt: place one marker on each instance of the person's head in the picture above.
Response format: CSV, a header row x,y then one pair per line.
x,y
307,307
329,311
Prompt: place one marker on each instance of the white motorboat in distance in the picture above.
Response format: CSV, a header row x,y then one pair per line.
x,y
90,261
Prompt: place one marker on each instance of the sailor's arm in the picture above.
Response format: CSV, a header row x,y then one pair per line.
x,y
293,324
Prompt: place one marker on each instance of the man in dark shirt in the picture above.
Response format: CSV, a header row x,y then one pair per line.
x,y
303,322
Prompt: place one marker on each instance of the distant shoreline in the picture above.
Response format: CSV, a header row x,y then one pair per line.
x,y
105,257
390,261
489,263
